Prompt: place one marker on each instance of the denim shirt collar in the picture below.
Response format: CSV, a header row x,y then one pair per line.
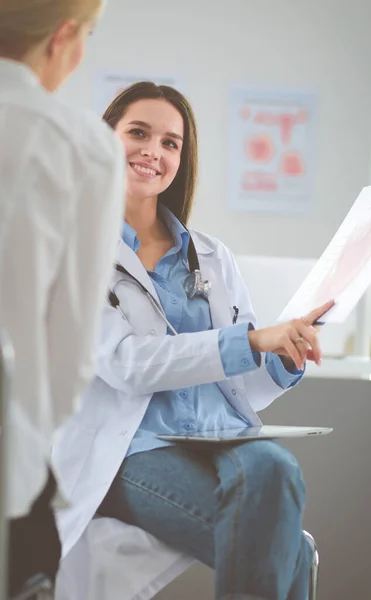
x,y
177,230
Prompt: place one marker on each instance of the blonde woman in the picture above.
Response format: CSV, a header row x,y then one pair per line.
x,y
60,204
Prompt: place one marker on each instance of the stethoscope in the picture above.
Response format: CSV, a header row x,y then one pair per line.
x,y
194,286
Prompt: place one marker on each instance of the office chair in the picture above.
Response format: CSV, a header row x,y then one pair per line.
x,y
314,571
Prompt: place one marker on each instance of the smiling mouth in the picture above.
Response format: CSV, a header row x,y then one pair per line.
x,y
144,171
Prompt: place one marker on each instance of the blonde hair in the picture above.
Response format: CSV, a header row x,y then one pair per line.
x,y
24,24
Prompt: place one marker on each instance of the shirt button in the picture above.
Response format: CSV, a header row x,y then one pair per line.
x,y
153,332
184,394
174,300
244,361
234,392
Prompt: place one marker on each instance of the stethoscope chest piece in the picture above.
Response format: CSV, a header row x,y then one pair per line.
x,y
194,286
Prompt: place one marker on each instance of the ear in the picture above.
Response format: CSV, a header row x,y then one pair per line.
x,y
62,36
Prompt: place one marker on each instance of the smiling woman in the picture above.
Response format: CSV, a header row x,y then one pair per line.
x,y
153,153
171,359
158,128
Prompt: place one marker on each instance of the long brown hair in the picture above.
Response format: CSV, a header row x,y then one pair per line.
x,y
178,197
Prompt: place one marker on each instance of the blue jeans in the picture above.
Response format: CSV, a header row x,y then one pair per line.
x,y
237,509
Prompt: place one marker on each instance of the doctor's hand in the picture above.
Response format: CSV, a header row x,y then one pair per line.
x,y
296,339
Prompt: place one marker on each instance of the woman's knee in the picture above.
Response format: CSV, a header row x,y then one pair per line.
x,y
271,466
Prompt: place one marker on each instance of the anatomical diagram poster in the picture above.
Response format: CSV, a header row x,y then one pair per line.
x,y
271,150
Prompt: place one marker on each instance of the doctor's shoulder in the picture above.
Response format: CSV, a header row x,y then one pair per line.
x,y
71,139
90,138
96,139
81,132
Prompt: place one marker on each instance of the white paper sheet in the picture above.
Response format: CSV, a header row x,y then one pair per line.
x,y
343,272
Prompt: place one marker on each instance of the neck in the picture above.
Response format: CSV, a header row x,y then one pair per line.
x,y
37,61
141,215
29,60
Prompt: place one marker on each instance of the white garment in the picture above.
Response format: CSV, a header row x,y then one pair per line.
x,y
135,358
61,198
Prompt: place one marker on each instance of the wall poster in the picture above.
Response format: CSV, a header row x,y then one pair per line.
x,y
271,150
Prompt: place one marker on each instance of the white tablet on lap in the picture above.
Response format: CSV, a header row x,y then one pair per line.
x,y
245,434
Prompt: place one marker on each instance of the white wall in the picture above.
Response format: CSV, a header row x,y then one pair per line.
x,y
321,44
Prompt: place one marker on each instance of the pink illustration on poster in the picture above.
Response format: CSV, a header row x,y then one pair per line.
x,y
270,150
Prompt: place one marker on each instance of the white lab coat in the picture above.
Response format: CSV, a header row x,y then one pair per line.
x,y
135,358
61,201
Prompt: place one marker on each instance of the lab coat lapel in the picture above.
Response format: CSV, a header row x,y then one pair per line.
x,y
129,260
211,269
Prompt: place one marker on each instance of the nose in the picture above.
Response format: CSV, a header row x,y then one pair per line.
x,y
152,150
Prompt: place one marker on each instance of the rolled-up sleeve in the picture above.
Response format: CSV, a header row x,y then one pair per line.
x,y
235,350
275,367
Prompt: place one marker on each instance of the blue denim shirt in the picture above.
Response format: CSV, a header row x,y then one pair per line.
x,y
201,407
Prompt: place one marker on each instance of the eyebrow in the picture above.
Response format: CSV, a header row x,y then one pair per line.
x,y
148,126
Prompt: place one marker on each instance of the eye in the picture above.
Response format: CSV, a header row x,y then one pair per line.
x,y
137,132
171,144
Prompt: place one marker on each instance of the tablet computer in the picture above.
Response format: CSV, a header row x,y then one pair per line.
x,y
245,434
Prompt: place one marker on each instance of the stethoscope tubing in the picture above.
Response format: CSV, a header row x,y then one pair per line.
x,y
193,264
158,308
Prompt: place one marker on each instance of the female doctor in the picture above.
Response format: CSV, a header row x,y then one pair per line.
x,y
179,352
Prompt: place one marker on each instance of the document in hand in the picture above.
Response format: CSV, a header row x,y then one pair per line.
x,y
343,272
